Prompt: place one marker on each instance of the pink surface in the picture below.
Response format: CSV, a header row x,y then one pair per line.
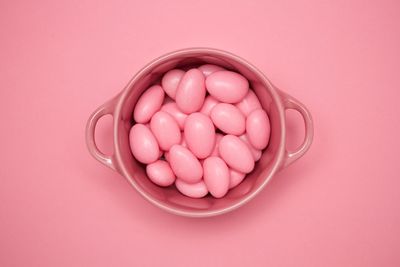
x,y
336,206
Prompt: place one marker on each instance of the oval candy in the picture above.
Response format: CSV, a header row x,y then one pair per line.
x,y
228,119
185,165
160,173
258,129
149,103
216,176
227,86
196,190
236,154
165,129
143,144
191,91
199,134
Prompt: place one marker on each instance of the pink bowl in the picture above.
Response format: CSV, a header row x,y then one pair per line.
x,y
275,157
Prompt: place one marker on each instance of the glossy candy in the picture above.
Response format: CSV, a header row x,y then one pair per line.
x,y
216,176
228,119
200,161
170,81
174,111
227,86
165,129
208,69
249,103
258,129
191,91
160,173
149,103
236,154
195,190
199,134
143,144
184,164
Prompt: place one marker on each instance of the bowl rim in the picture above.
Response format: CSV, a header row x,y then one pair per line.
x,y
274,92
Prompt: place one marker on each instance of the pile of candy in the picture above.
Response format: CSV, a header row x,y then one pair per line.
x,y
204,136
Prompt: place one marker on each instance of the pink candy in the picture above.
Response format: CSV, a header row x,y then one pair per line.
x,y
191,91
236,154
185,165
216,176
144,145
196,190
227,86
201,143
160,173
258,128
148,104
165,129
170,82
228,119
199,134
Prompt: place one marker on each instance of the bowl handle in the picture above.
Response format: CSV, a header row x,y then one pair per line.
x,y
105,109
290,102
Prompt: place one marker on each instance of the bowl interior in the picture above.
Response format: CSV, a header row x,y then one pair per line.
x,y
169,198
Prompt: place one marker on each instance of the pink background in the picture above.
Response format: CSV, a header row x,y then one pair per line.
x,y
337,206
